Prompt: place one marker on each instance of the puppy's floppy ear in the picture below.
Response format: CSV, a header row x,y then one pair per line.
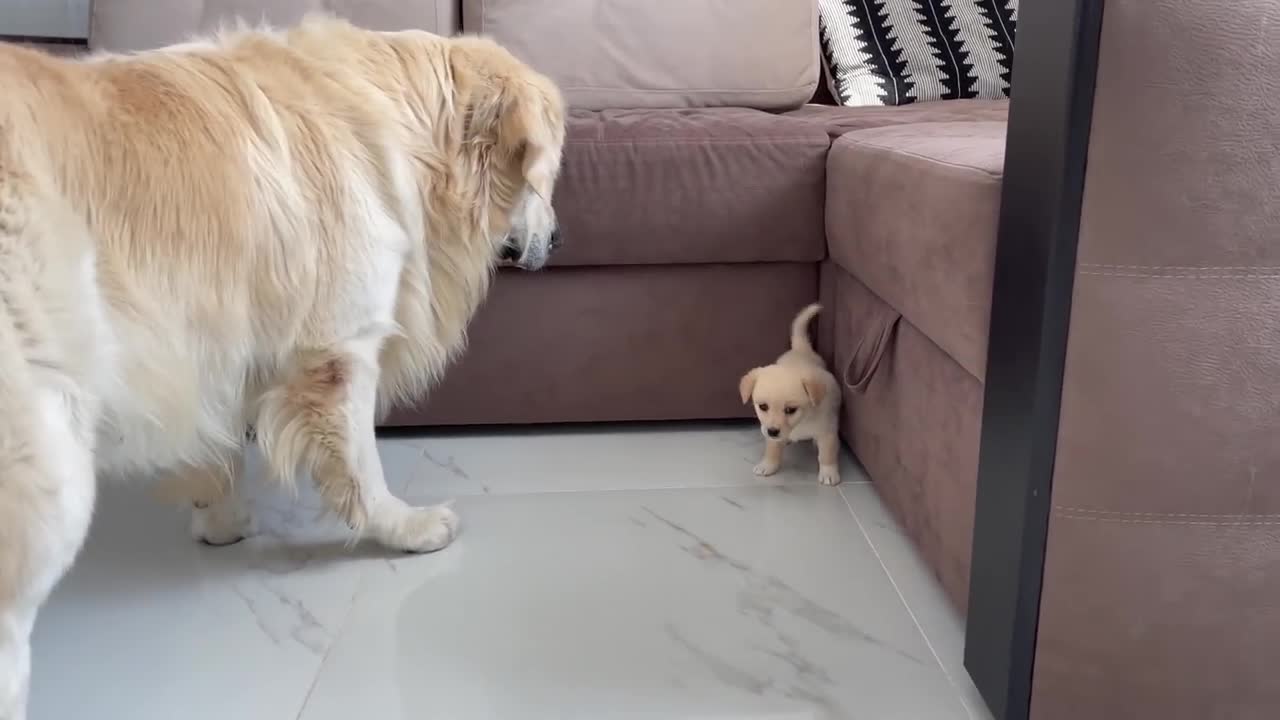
x,y
747,385
815,389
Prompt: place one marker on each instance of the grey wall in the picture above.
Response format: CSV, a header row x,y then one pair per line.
x,y
45,18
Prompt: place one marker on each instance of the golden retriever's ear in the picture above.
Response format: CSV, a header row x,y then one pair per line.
x,y
747,385
520,124
515,119
510,114
815,389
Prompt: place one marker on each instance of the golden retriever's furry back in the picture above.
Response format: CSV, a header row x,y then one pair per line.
x,y
290,228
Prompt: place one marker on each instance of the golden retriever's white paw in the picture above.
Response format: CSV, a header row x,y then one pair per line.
x,y
12,708
15,669
829,475
427,529
224,523
765,469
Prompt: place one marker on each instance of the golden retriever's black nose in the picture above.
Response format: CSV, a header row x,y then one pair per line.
x,y
773,432
555,239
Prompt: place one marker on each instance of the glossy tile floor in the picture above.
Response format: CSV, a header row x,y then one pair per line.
x,y
619,573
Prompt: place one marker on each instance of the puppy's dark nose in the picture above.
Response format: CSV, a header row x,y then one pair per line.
x,y
556,240
773,432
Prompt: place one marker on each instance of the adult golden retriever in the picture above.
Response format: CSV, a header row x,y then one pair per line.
x,y
289,229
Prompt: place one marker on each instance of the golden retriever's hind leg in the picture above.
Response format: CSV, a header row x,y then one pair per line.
x,y
321,419
47,487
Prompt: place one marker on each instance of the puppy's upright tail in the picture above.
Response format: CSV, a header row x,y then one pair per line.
x,y
800,328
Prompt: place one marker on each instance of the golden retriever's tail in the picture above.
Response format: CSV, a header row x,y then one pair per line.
x,y
800,328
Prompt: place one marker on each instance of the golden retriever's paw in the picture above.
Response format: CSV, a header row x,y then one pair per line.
x,y
428,529
765,469
829,475
224,523
15,666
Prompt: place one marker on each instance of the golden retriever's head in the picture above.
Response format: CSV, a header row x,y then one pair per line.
x,y
513,134
782,396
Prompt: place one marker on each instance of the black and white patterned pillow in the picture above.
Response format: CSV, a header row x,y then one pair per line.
x,y
895,52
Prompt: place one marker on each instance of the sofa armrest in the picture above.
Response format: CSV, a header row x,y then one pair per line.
x,y
1162,578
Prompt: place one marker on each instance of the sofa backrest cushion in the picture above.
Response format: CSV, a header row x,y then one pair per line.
x,y
662,53
895,52
141,24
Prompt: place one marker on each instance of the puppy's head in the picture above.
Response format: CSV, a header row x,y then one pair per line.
x,y
513,133
782,396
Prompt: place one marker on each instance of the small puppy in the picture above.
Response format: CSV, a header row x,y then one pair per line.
x,y
796,398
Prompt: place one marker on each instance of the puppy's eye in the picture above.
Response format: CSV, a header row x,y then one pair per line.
x,y
764,407
789,410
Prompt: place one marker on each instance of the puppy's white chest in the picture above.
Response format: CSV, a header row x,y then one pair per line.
x,y
812,427
804,431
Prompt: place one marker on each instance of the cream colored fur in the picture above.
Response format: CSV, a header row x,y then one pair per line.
x,y
290,229
797,398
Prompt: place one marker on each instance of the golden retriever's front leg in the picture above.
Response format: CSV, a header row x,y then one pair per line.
x,y
218,513
322,420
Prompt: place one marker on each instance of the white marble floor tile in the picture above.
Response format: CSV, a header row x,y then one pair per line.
x,y
696,603
150,625
582,459
939,620
628,573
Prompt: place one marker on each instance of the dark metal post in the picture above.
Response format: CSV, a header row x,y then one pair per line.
x,y
1055,65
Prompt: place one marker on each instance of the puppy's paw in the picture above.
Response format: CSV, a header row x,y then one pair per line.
x,y
428,529
765,469
223,523
829,475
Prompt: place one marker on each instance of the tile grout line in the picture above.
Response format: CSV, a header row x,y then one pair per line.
x,y
360,588
968,711
342,631
604,491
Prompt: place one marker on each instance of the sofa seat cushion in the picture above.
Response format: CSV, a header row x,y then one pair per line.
x,y
912,212
839,120
720,185
122,25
